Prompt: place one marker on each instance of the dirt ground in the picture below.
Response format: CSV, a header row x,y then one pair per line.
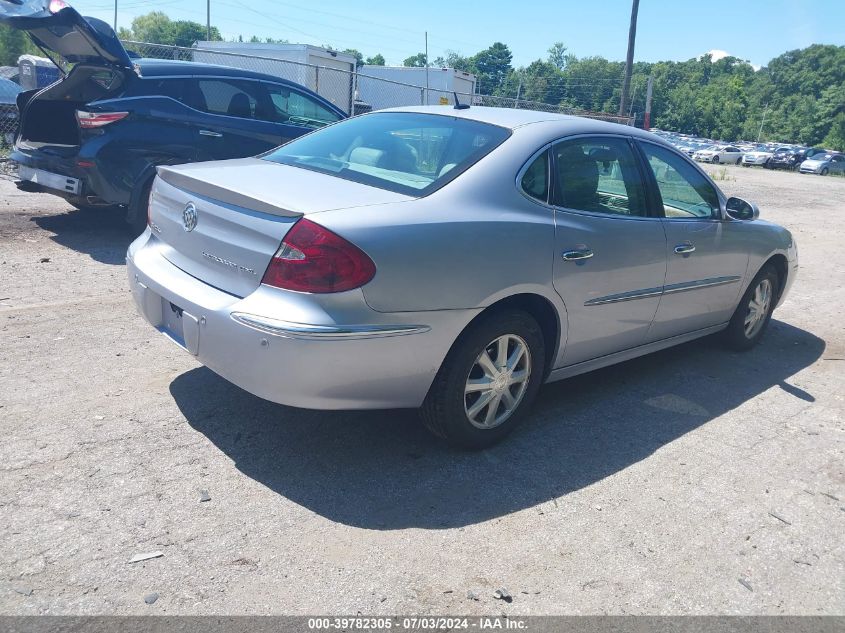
x,y
692,481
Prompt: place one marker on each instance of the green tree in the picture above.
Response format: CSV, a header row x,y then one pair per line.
x,y
359,56
13,44
415,61
157,28
558,56
455,60
493,65
375,60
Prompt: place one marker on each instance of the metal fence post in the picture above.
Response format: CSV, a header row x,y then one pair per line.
x,y
317,79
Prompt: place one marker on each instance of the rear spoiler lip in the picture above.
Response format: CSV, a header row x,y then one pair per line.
x,y
202,187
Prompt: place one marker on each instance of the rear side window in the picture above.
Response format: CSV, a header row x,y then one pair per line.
x,y
535,179
598,175
173,88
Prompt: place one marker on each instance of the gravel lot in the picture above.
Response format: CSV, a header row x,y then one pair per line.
x,y
695,480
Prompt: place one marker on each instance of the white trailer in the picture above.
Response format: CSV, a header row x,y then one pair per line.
x,y
328,73
391,86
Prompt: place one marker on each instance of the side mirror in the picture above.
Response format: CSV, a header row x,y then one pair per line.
x,y
740,209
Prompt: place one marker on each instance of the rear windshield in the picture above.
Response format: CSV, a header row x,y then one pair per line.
x,y
404,152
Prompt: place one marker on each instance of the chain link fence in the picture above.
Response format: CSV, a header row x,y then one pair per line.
x,y
353,92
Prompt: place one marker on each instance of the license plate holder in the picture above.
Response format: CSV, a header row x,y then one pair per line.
x,y
180,326
49,179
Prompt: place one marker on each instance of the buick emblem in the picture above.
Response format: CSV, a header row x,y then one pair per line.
x,y
189,217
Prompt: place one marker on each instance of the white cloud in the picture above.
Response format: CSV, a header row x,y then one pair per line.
x,y
716,54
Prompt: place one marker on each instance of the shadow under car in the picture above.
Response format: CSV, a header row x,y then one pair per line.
x,y
382,470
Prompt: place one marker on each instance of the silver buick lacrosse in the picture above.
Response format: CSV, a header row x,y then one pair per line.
x,y
450,259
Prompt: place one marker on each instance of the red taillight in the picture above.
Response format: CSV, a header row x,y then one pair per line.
x,y
89,120
313,259
57,5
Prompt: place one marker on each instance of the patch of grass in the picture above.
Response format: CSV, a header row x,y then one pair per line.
x,y
721,174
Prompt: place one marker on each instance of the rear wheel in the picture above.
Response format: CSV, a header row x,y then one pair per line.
x,y
752,316
487,382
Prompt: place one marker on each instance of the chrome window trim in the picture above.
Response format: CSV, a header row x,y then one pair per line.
x,y
289,329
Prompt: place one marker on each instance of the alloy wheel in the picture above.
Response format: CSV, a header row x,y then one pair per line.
x,y
758,308
497,381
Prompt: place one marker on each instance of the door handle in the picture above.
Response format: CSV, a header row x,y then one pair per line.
x,y
210,133
574,256
685,249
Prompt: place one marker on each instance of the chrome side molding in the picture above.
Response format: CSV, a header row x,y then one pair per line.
x,y
288,329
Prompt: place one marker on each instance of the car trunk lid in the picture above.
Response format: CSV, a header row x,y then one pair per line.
x,y
60,31
222,222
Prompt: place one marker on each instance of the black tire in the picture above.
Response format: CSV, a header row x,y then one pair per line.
x,y
824,171
735,335
136,214
715,160
444,411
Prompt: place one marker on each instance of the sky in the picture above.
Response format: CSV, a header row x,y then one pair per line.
x,y
755,30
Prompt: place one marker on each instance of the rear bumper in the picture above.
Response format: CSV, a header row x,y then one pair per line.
x,y
64,161
311,351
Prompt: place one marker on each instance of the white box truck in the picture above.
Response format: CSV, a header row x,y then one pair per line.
x,y
331,74
391,86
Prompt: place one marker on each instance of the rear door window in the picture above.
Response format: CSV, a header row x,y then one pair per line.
x,y
228,97
599,175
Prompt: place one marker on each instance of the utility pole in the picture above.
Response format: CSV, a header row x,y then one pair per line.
x,y
629,60
647,119
115,16
760,131
518,92
426,69
207,20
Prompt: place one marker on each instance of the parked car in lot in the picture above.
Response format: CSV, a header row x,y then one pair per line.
x,y
450,259
719,154
9,92
759,157
790,158
97,136
824,163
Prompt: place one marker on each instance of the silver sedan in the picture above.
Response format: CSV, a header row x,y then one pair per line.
x,y
452,260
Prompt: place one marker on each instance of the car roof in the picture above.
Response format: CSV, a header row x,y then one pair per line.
x,y
513,118
171,67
